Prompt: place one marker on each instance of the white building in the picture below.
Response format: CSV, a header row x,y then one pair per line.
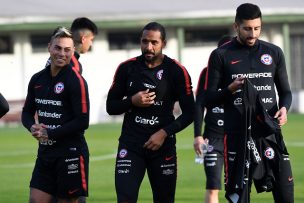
x,y
193,28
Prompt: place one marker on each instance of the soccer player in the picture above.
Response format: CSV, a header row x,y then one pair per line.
x,y
4,107
58,94
262,64
145,89
213,132
84,31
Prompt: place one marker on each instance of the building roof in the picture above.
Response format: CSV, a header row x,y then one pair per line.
x,y
35,14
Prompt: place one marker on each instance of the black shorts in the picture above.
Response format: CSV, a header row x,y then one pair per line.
x,y
62,177
131,163
213,163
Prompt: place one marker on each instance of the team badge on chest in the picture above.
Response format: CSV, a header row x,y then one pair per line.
x,y
159,74
266,59
59,87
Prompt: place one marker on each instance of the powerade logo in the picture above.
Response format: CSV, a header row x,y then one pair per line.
x,y
252,75
46,101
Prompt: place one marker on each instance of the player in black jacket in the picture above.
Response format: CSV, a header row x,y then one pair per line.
x,y
213,134
58,95
4,107
146,88
264,65
83,31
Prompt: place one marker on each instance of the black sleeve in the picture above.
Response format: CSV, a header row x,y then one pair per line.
x,y
199,107
214,81
29,108
4,107
117,103
281,82
183,90
80,103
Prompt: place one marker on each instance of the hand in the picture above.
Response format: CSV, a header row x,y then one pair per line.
x,y
143,98
281,115
39,132
236,84
156,140
198,141
34,129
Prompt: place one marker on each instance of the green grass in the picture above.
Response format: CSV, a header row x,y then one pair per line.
x,y
18,151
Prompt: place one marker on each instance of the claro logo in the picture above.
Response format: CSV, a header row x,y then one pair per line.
x,y
146,121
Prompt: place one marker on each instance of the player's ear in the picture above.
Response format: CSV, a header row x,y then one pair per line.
x,y
235,26
49,46
164,43
83,38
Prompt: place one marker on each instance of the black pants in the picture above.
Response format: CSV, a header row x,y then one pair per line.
x,y
131,164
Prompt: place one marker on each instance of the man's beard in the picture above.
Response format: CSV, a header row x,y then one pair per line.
x,y
149,59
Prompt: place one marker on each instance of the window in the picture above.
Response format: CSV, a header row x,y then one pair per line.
x,y
203,37
6,45
123,40
39,42
297,62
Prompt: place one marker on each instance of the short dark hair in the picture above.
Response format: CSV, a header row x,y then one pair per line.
x,y
84,23
155,26
247,11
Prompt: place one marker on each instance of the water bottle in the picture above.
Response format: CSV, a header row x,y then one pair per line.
x,y
199,158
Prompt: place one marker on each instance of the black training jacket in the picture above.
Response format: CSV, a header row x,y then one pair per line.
x,y
214,118
4,107
170,81
264,66
61,103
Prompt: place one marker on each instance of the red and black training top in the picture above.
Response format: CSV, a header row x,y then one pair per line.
x,y
262,64
171,83
61,103
214,118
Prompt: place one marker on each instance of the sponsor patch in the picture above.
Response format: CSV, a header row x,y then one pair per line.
x,y
266,59
168,172
237,101
269,153
123,153
72,166
59,87
210,148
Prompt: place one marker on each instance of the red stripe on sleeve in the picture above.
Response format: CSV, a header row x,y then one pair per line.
x,y
75,63
199,80
206,80
83,92
83,174
132,59
186,76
